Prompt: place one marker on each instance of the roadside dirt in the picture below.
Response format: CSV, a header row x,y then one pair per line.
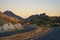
x,y
27,35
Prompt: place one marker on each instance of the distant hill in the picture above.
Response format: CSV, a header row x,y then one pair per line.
x,y
36,17
33,17
10,13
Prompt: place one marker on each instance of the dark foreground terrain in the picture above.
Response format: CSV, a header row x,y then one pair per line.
x,y
41,33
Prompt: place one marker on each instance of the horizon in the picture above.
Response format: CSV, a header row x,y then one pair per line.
x,y
25,8
30,15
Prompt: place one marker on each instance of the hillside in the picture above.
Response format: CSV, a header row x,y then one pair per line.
x,y
8,18
10,13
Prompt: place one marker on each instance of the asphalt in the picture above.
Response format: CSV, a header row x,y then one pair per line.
x,y
53,35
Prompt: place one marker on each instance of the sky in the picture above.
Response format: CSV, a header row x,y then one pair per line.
x,y
25,8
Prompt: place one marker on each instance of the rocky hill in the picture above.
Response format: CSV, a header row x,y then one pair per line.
x,y
8,18
10,13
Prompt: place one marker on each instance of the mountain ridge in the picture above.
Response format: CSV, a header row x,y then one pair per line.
x,y
10,13
8,18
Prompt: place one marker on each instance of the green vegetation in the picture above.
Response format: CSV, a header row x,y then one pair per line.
x,y
46,21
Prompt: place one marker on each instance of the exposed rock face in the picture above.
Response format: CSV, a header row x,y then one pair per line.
x,y
6,26
10,27
18,26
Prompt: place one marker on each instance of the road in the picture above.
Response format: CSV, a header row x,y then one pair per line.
x,y
53,35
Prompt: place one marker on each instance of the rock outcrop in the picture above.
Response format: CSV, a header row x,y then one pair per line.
x,y
10,27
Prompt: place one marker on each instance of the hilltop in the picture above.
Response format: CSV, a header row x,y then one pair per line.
x,y
6,18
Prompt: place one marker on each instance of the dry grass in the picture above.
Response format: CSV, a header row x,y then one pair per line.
x,y
9,18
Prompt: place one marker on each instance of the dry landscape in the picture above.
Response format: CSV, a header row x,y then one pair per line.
x,y
24,36
8,18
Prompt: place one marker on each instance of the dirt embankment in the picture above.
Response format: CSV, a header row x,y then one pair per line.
x,y
27,35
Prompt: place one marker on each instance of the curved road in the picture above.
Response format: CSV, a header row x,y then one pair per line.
x,y
53,35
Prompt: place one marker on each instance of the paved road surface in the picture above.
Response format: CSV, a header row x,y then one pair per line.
x,y
54,35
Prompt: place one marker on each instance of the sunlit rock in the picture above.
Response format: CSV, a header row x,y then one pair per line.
x,y
8,27
18,26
